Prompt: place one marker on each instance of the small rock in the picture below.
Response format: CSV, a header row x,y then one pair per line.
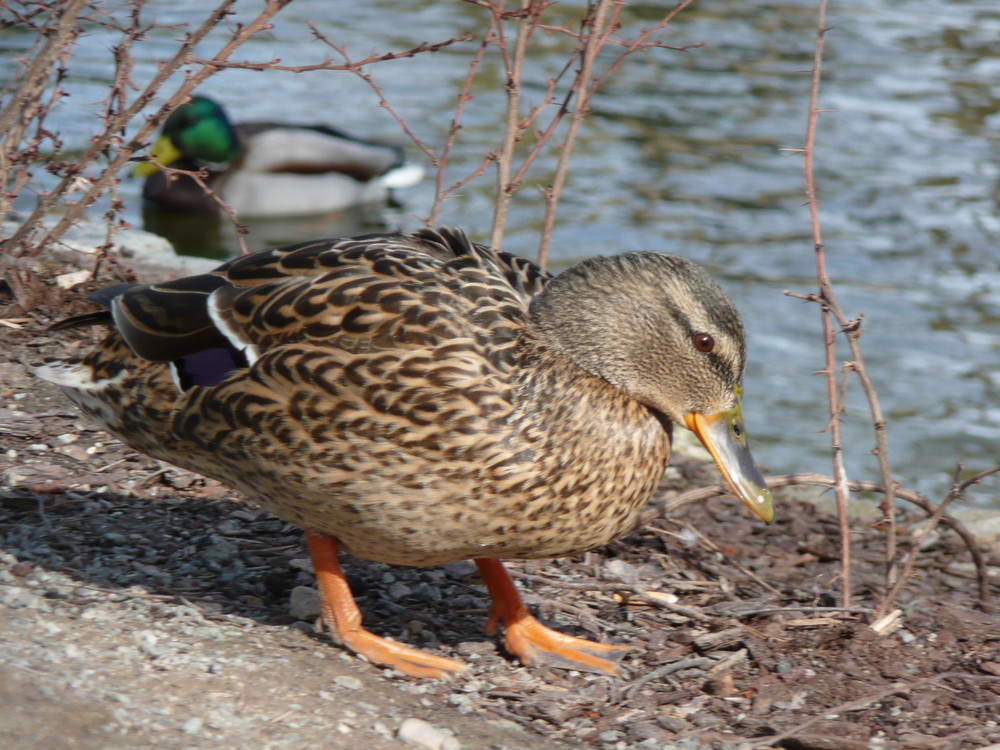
x,y
991,667
17,598
459,570
674,724
462,702
229,526
827,742
222,551
348,682
420,734
149,644
75,452
71,279
619,570
476,648
399,590
115,538
192,725
427,592
304,603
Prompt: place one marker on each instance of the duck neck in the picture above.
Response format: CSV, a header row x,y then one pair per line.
x,y
572,409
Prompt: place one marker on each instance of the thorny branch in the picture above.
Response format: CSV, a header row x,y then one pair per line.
x,y
827,296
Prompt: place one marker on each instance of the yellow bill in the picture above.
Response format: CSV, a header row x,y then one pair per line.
x,y
725,437
164,151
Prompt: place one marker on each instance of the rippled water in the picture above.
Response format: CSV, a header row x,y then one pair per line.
x,y
683,153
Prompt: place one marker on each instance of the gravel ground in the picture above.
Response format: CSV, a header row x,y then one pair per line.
x,y
144,606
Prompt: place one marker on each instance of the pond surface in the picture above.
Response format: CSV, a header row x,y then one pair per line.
x,y
684,153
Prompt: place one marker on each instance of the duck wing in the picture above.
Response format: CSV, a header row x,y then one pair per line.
x,y
427,290
313,149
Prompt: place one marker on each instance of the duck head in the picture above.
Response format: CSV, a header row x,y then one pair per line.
x,y
659,328
198,131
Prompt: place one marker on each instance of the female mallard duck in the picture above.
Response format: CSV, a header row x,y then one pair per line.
x,y
267,169
420,399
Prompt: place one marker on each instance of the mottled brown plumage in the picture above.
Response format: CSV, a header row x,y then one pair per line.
x,y
423,399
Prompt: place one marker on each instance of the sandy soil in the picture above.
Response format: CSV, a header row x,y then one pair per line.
x,y
144,606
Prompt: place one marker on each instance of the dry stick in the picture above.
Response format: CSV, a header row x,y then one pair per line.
x,y
585,86
124,64
542,137
852,329
514,67
358,69
17,115
275,64
708,543
583,39
199,177
596,22
871,698
911,496
826,292
642,42
881,444
441,162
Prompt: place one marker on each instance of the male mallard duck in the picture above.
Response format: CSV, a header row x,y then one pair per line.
x,y
420,399
268,169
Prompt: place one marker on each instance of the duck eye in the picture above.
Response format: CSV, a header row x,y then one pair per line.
x,y
703,342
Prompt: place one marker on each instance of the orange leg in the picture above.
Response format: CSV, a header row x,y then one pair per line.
x,y
343,617
532,642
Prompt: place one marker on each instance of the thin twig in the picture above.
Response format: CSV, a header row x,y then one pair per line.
x,y
595,23
514,67
826,294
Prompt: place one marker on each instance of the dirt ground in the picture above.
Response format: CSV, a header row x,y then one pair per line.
x,y
144,606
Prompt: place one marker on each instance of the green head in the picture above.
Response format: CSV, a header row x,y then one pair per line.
x,y
197,131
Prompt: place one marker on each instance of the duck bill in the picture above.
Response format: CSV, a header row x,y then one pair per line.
x,y
164,151
725,438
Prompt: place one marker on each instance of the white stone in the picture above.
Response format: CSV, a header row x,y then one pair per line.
x,y
70,280
419,733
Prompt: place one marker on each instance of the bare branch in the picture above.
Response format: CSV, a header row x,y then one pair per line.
x,y
827,296
512,130
596,21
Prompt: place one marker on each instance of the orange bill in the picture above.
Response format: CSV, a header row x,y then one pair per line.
x,y
725,437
